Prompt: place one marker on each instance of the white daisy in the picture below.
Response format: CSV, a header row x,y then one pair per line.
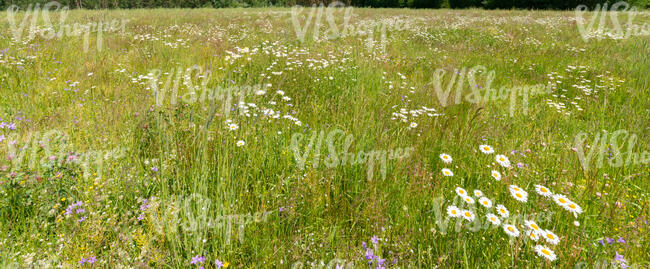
x,y
478,193
520,196
543,191
573,208
241,143
545,252
233,126
503,160
550,237
468,199
502,211
468,215
561,200
511,230
496,175
446,172
445,158
484,201
533,235
453,211
413,125
493,219
514,188
486,149
532,225
460,191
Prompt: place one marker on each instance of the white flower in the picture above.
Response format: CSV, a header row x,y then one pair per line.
x,y
573,208
532,225
468,199
533,235
233,126
484,201
550,237
520,196
511,230
279,92
503,160
493,219
561,200
413,125
260,92
543,191
461,192
478,193
486,149
545,252
468,215
241,143
445,158
496,175
453,211
286,98
446,172
503,211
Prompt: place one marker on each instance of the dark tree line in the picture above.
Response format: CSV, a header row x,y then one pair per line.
x,y
488,4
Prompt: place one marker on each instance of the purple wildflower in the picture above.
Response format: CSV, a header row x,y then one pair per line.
x,y
609,240
369,255
601,242
197,259
155,169
620,240
92,260
281,209
374,239
218,264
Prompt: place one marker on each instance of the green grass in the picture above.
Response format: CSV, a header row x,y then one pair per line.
x,y
342,84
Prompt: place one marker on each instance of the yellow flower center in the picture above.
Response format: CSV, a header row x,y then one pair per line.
x,y
544,190
562,200
572,206
546,252
518,195
511,229
550,236
485,202
486,148
503,211
492,219
502,159
453,212
468,214
534,226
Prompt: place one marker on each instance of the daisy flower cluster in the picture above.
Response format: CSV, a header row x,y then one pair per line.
x,y
560,200
531,229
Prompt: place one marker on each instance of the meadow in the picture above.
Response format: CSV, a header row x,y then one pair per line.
x,y
324,138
